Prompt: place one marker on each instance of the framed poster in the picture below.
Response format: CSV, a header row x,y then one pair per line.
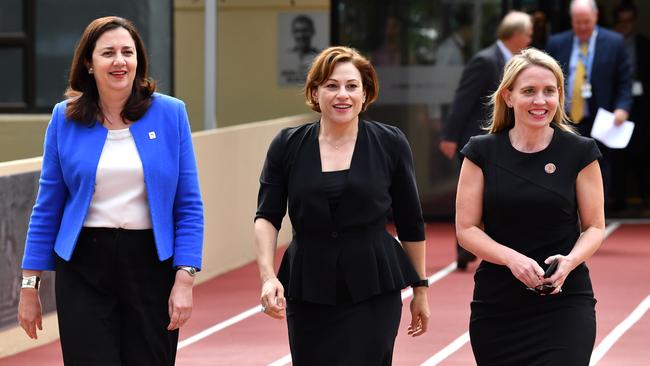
x,y
301,36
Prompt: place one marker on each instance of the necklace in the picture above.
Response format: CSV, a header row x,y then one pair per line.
x,y
335,146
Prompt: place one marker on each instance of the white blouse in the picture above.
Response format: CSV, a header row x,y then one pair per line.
x,y
120,197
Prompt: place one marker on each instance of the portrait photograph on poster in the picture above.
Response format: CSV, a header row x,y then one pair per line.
x,y
301,36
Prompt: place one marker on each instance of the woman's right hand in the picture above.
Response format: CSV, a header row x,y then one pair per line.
x,y
272,298
29,312
526,270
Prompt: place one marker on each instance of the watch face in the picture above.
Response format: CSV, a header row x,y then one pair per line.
x,y
30,282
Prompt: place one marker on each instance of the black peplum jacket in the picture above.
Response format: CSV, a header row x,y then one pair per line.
x,y
353,243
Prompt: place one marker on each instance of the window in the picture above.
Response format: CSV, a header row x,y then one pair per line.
x,y
38,38
419,49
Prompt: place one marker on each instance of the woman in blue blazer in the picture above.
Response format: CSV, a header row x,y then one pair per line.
x,y
341,178
119,209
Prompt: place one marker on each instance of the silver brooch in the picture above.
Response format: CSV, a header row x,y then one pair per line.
x,y
549,168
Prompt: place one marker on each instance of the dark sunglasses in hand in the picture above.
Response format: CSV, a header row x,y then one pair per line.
x,y
546,289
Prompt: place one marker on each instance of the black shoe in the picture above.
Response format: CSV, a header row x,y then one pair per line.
x,y
461,264
463,258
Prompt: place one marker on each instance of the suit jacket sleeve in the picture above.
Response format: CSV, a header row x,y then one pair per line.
x,y
407,212
471,90
559,47
623,78
48,209
551,49
272,196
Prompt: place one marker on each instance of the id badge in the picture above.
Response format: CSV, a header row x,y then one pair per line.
x,y
637,88
586,91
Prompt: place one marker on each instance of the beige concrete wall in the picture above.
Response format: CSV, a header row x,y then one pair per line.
x,y
229,162
21,135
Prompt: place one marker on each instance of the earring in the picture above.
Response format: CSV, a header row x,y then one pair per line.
x,y
90,70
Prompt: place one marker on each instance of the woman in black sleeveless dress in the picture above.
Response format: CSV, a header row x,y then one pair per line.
x,y
530,192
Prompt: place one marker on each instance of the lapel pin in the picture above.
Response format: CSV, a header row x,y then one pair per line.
x,y
550,168
152,135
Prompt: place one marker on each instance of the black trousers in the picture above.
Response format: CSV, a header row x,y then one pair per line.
x,y
346,334
112,299
605,162
634,160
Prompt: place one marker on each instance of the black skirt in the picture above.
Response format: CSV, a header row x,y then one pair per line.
x,y
354,334
558,330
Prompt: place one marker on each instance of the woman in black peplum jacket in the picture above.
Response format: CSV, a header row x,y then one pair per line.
x,y
341,177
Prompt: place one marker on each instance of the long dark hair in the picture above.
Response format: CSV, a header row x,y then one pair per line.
x,y
83,96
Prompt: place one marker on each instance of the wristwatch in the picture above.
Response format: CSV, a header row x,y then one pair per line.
x,y
421,283
31,282
191,270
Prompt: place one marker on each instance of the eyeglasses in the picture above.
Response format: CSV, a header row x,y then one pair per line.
x,y
546,288
542,289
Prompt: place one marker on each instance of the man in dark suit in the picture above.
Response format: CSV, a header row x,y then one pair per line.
x,y
480,78
635,158
598,72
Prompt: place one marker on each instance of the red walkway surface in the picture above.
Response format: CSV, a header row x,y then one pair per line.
x,y
620,272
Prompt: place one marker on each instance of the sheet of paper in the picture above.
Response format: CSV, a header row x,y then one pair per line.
x,y
612,136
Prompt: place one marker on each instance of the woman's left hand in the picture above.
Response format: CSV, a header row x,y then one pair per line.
x,y
419,312
180,300
564,266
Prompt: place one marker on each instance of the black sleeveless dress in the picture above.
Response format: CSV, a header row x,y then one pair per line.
x,y
530,205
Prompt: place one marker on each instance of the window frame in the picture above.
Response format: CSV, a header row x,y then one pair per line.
x,y
26,41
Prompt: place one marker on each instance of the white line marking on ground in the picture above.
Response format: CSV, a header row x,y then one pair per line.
x,y
432,279
611,227
448,350
220,326
460,341
286,359
283,361
618,332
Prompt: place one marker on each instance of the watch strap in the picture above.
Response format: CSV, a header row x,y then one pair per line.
x,y
421,283
191,270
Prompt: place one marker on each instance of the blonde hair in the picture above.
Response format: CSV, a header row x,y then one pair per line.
x,y
323,67
502,117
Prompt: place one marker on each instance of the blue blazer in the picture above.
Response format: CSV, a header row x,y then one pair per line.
x,y
71,154
611,76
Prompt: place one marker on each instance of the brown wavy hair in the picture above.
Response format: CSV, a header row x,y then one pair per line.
x,y
83,96
322,69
